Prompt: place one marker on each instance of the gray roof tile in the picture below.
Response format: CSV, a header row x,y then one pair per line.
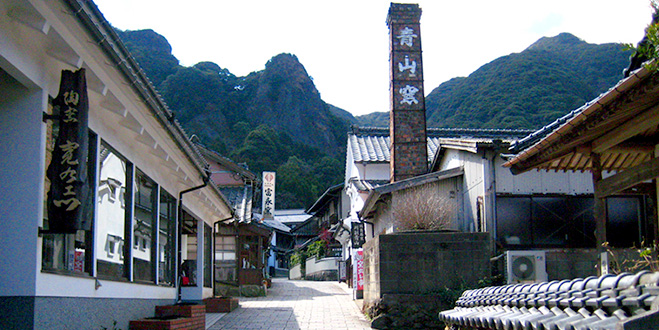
x,y
594,303
371,144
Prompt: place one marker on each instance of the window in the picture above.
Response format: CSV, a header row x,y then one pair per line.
x,y
225,248
146,198
166,239
513,223
566,221
249,252
624,225
225,259
208,256
114,177
68,252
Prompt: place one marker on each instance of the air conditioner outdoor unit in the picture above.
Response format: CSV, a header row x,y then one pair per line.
x,y
526,266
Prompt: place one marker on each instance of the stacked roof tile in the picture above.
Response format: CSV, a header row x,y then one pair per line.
x,y
625,301
371,144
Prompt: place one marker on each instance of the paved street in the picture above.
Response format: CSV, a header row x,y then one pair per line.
x,y
297,305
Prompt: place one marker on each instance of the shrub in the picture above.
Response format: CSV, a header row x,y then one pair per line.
x,y
632,260
422,208
317,249
299,257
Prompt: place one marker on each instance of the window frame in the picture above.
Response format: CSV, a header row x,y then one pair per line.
x,y
52,132
528,222
125,197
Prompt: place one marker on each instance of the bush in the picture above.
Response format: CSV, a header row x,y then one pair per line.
x,y
299,257
317,249
422,208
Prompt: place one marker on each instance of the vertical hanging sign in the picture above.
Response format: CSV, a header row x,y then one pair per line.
x,y
358,279
69,189
268,198
357,234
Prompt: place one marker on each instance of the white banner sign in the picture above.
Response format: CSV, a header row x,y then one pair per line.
x,y
268,200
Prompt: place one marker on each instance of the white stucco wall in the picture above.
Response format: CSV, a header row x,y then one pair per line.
x,y
479,180
40,39
314,265
22,147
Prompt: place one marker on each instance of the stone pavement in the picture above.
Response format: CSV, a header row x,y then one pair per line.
x,y
297,305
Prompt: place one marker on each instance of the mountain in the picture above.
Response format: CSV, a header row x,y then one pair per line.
x,y
528,89
374,119
153,52
524,90
210,101
274,119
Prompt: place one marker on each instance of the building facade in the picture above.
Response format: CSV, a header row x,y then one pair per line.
x,y
146,237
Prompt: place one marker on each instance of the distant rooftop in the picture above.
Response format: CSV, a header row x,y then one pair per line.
x,y
289,216
276,224
371,144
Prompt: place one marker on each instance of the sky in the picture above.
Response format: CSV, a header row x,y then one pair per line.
x,y
343,44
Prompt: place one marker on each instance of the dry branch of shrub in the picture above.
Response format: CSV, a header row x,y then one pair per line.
x,y
422,208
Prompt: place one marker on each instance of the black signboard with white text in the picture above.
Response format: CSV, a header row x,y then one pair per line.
x,y
357,234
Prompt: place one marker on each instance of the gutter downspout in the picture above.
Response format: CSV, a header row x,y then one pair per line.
x,y
494,201
179,230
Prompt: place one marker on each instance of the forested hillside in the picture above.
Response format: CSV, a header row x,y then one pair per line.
x,y
274,119
524,90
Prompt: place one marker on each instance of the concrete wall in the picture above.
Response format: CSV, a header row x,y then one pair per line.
x,y
69,313
21,183
55,313
295,273
325,269
424,262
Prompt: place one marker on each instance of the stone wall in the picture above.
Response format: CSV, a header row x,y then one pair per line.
x,y
409,277
424,262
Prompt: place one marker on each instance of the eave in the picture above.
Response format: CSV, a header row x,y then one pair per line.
x,y
378,192
620,126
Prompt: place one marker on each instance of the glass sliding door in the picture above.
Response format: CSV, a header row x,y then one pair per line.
x,y
144,221
166,239
114,180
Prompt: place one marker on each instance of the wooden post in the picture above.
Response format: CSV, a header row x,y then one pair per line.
x,y
599,211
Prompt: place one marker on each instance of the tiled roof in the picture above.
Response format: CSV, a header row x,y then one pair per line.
x,y
276,224
594,303
367,185
307,228
331,193
292,215
371,144
288,216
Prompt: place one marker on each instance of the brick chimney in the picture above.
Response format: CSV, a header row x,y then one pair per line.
x,y
407,116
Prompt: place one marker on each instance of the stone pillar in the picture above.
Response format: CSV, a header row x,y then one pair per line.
x,y
407,117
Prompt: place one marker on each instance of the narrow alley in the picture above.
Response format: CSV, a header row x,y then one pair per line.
x,y
297,305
